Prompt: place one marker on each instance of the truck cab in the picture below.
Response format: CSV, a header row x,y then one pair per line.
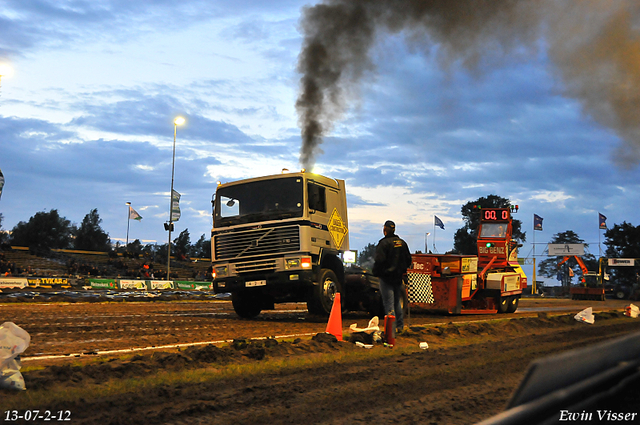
x,y
280,238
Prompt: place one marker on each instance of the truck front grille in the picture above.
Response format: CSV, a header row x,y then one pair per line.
x,y
257,242
256,266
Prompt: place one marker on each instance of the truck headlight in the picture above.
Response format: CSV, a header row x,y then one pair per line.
x,y
220,271
292,263
298,263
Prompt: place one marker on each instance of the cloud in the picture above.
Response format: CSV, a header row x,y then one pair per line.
x,y
87,122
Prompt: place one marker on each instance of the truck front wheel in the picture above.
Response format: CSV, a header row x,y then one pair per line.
x,y
321,299
246,304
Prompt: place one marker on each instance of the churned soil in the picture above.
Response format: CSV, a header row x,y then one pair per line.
x,y
282,367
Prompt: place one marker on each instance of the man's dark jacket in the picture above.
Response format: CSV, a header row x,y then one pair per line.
x,y
392,259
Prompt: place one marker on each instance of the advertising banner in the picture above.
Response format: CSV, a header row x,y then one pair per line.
x,y
48,281
193,286
132,284
566,249
103,284
13,282
160,284
621,262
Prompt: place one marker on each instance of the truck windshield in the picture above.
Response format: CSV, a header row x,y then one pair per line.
x,y
493,230
259,201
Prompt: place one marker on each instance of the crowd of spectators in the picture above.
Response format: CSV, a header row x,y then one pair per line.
x,y
75,268
126,266
9,268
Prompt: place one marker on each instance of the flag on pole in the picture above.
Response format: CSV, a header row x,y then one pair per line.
x,y
175,206
438,222
1,183
537,222
133,214
602,220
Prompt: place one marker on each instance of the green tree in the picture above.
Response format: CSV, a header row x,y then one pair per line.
x,y
135,248
202,248
3,235
43,231
623,241
366,256
151,250
90,236
161,253
182,244
549,267
466,238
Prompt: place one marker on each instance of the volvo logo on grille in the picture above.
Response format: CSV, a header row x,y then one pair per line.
x,y
254,243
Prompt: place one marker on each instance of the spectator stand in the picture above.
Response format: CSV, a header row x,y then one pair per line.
x,y
66,268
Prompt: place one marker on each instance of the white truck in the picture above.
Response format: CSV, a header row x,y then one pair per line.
x,y
282,238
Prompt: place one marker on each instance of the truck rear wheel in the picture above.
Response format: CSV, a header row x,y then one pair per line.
x,y
323,294
404,303
246,304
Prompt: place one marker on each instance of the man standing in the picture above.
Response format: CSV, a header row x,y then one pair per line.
x,y
392,259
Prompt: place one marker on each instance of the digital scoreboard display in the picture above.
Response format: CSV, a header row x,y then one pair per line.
x,y
495,214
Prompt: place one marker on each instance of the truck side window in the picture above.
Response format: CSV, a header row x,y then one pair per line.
x,y
317,197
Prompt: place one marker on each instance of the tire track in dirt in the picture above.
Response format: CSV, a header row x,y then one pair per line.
x,y
453,386
469,379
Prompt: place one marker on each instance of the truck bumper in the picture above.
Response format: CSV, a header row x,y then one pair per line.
x,y
291,281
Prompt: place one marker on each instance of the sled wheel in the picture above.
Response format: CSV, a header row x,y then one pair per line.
x,y
513,304
503,304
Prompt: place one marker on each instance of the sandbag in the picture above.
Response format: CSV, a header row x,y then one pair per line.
x,y
13,341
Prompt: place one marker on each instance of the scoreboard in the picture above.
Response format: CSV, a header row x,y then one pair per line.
x,y
495,214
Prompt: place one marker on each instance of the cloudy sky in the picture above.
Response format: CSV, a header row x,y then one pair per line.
x,y
437,115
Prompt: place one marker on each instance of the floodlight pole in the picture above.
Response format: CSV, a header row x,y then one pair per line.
x,y
176,122
173,164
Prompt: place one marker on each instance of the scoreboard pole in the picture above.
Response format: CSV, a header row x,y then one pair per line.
x,y
533,285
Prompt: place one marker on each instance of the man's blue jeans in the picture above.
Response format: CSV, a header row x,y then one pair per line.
x,y
391,297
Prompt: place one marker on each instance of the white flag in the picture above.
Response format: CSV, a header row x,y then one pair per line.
x,y
133,214
175,206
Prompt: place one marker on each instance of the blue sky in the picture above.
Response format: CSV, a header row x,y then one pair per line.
x,y
86,119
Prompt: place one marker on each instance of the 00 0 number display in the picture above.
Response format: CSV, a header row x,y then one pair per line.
x,y
495,215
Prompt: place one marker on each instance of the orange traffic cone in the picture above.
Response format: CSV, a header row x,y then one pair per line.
x,y
334,326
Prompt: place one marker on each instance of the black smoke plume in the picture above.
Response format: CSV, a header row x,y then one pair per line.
x,y
594,46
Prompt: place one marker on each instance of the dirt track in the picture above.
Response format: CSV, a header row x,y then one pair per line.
x,y
466,375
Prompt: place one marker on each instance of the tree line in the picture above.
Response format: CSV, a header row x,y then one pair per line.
x,y
622,241
47,230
